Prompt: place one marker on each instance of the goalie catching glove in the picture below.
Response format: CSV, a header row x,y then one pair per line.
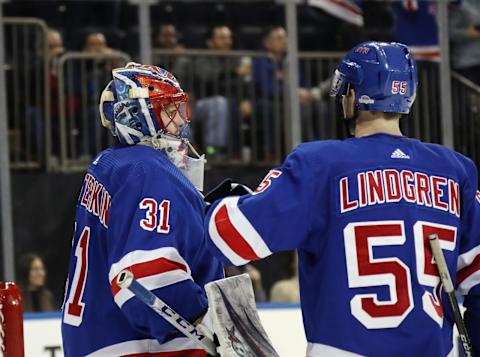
x,y
226,188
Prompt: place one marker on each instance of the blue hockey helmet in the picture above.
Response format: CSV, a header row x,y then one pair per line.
x,y
383,75
143,101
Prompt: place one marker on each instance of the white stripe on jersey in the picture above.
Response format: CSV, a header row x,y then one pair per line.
x,y
145,346
465,259
220,243
319,350
142,256
243,227
153,282
153,274
465,286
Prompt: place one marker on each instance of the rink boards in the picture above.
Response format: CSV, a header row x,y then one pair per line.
x,y
283,323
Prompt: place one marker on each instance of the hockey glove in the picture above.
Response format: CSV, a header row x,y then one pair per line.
x,y
224,189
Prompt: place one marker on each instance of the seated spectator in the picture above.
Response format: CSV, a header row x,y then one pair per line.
x,y
168,38
287,290
96,72
465,36
269,75
96,43
36,113
255,277
55,46
32,277
218,89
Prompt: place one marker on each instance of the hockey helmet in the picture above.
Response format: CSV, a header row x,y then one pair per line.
x,y
146,101
383,75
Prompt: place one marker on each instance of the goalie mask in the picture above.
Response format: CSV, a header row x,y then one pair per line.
x,y
148,101
146,105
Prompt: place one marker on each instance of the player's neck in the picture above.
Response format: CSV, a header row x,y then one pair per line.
x,y
373,126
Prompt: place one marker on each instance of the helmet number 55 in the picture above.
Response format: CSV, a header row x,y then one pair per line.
x,y
399,87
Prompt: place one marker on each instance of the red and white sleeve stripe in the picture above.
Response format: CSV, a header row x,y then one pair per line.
x,y
346,10
152,268
410,5
234,235
468,270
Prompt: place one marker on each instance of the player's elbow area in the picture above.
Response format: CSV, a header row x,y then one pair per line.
x,y
154,269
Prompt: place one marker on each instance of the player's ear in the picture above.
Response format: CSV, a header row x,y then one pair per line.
x,y
348,102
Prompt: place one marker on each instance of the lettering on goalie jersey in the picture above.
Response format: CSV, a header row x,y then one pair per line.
x,y
96,199
369,188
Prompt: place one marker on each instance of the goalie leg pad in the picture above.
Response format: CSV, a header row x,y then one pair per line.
x,y
235,319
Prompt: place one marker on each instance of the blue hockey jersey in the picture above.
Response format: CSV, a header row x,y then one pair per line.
x,y
135,211
416,26
360,211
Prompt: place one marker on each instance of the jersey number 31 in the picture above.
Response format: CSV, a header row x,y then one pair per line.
x,y
366,271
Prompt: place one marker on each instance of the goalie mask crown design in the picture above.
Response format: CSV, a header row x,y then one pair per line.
x,y
143,101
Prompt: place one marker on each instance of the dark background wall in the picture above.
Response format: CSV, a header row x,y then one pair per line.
x,y
44,210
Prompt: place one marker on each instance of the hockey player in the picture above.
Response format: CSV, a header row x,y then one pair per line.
x,y
138,209
360,211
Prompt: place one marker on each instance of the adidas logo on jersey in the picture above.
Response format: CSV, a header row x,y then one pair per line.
x,y
399,154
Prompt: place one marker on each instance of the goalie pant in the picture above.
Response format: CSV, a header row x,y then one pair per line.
x,y
135,211
359,212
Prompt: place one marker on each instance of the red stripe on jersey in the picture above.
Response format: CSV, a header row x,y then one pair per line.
x,y
183,353
410,5
232,237
469,270
347,6
149,268
425,55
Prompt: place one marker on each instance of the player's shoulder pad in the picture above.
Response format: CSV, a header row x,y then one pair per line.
x,y
123,163
321,150
463,164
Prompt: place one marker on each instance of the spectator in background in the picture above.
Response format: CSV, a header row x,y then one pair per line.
x,y
34,125
219,89
97,71
416,26
168,38
269,75
96,43
287,290
32,277
168,41
55,47
72,100
465,37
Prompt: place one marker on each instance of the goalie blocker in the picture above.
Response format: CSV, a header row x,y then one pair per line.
x,y
232,316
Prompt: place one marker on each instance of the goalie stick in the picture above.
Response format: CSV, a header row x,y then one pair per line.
x,y
450,291
126,280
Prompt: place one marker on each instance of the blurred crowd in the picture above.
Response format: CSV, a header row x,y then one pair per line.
x,y
236,98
